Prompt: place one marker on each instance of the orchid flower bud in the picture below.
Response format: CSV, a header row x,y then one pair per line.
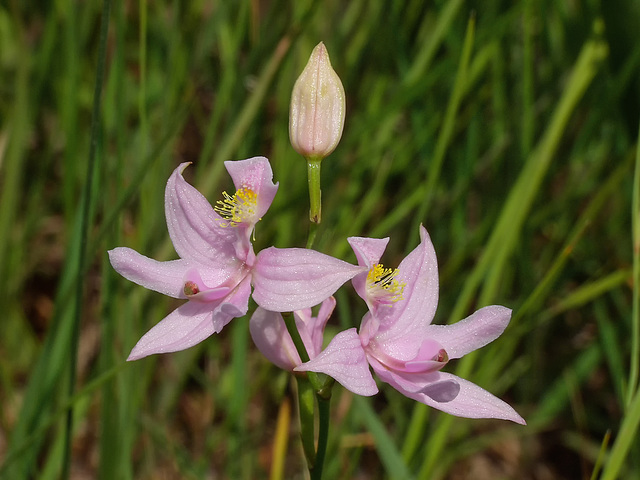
x,y
316,116
316,119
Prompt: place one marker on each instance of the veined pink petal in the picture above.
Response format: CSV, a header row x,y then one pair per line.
x,y
402,325
186,326
286,279
344,360
195,228
254,173
475,331
163,277
270,335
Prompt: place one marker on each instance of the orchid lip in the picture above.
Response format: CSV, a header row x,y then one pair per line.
x,y
204,295
415,365
195,288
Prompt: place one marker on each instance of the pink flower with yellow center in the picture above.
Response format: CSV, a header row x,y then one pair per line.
x,y
217,264
398,341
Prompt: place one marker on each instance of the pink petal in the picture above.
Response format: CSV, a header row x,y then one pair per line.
x,y
475,331
344,360
193,322
236,304
438,388
430,357
194,281
186,326
404,382
195,228
163,277
402,325
287,279
311,329
270,335
317,327
442,391
368,252
473,402
254,173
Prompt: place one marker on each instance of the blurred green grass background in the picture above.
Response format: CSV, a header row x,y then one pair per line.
x,y
508,129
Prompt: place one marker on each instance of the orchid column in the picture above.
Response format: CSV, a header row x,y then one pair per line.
x,y
316,119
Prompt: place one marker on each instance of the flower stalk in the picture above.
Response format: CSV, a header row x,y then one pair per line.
x,y
315,194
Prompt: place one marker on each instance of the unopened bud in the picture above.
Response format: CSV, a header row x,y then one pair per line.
x,y
316,117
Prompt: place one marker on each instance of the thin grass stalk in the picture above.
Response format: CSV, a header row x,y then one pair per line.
x,y
635,309
85,209
601,456
624,440
390,456
528,118
281,440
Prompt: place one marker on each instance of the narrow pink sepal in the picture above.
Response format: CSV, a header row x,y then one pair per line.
x,y
286,279
450,394
473,402
163,277
186,326
254,173
345,361
270,335
475,331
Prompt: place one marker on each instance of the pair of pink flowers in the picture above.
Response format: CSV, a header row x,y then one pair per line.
x,y
217,268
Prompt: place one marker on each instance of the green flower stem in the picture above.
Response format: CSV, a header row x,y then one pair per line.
x,y
313,171
308,385
324,404
306,409
313,229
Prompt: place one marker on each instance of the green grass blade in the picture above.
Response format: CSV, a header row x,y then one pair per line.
x,y
390,457
626,436
635,310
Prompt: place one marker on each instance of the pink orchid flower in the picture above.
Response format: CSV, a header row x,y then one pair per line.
x,y
402,346
217,265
